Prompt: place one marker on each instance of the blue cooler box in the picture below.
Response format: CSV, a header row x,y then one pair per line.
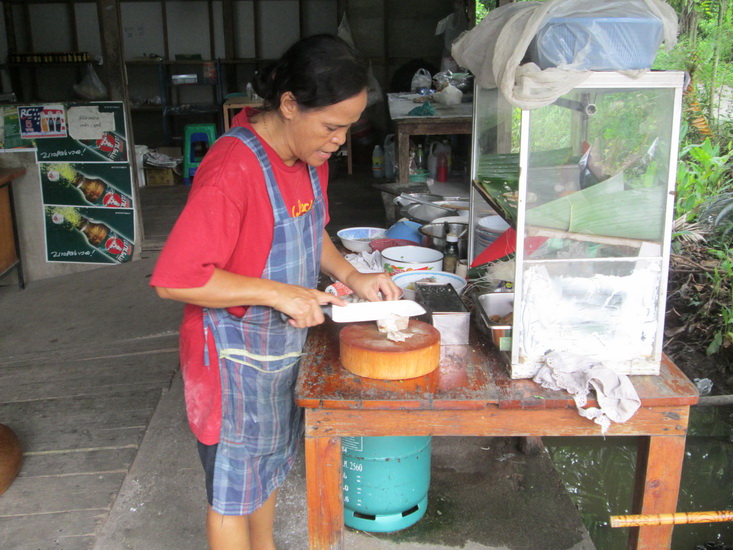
x,y
597,43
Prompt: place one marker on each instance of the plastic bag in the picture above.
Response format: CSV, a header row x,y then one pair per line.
x,y
494,50
344,32
422,79
450,95
374,90
91,87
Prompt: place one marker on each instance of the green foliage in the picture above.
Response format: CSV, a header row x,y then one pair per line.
x,y
483,7
720,281
703,172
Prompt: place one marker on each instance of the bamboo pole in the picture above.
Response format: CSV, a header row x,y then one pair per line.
x,y
671,519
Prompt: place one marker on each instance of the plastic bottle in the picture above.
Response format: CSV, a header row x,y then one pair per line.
x,y
450,256
446,149
433,154
441,173
420,161
378,162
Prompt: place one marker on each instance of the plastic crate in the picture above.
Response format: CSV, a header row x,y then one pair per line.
x,y
597,44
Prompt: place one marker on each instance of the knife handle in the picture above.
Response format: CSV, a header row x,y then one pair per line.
x,y
326,308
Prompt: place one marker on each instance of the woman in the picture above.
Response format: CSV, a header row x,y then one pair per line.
x,y
245,256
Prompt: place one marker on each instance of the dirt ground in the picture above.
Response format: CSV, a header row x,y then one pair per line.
x,y
697,293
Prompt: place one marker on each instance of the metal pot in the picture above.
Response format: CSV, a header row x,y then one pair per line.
x,y
433,236
403,201
425,213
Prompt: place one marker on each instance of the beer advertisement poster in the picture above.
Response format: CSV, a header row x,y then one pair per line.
x,y
89,235
86,184
94,132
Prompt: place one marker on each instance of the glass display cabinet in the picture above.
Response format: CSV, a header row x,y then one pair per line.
x,y
587,184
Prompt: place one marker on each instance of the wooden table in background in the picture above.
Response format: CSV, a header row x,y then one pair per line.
x,y
449,119
233,105
471,394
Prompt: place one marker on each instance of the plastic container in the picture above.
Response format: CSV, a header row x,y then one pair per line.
x,y
433,153
597,43
386,481
405,230
378,162
442,169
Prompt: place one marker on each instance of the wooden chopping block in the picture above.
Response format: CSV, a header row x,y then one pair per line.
x,y
369,353
10,457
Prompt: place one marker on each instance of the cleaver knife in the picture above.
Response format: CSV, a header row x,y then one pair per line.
x,y
370,311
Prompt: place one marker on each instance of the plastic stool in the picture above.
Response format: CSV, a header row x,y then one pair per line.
x,y
197,139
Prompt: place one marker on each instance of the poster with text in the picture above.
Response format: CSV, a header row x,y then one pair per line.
x,y
94,132
89,235
108,185
10,134
42,121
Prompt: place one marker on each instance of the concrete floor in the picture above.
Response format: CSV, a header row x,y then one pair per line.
x,y
484,492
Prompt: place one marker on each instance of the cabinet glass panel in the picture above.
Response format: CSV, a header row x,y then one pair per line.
x,y
588,183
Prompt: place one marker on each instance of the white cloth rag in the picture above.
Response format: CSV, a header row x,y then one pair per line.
x,y
616,395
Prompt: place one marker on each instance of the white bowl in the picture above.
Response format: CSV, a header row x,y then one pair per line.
x,y
492,224
357,239
407,280
397,259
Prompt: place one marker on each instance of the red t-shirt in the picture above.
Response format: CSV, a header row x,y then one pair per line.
x,y
227,223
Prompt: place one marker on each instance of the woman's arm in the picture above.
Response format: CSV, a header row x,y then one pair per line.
x,y
367,286
225,289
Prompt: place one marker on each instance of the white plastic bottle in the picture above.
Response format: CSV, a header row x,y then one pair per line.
x,y
433,154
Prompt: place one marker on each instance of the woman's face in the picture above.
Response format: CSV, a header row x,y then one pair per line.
x,y
318,133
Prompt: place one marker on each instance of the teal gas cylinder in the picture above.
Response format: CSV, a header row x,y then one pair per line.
x,y
386,481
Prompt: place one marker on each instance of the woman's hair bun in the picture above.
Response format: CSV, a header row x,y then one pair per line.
x,y
320,70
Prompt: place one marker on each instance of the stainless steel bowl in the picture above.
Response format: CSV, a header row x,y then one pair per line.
x,y
425,213
405,199
433,236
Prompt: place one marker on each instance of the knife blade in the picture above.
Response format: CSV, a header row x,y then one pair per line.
x,y
372,311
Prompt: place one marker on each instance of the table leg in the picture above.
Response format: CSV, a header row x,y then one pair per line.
x,y
324,493
403,155
658,473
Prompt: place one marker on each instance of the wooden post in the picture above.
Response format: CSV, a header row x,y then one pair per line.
x,y
110,31
658,473
108,13
323,491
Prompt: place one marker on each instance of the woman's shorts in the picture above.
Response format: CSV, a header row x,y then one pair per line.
x,y
207,454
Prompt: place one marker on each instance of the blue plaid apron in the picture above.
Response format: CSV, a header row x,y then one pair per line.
x,y
259,356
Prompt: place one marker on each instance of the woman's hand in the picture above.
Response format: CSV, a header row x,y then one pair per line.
x,y
367,286
303,305
373,286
